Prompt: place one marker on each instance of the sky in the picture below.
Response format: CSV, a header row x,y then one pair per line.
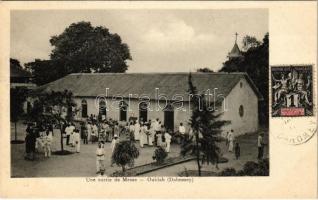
x,y
159,40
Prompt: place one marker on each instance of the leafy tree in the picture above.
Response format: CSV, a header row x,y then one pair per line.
x,y
17,98
205,70
250,42
82,48
206,128
256,65
45,71
124,154
53,107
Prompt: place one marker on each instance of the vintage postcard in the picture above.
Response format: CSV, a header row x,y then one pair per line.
x,y
164,99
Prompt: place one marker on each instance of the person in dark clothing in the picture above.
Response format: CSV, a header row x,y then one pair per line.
x,y
28,141
50,128
31,140
84,133
237,151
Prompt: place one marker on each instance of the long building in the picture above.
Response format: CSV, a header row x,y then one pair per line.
x,y
122,96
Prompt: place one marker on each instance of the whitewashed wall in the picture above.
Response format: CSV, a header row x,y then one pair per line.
x,y
241,96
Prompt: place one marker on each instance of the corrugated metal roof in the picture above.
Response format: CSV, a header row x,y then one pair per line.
x,y
127,84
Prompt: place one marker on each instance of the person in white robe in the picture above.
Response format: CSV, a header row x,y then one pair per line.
x,y
143,134
113,146
156,125
167,141
151,133
72,127
89,131
231,141
137,130
77,140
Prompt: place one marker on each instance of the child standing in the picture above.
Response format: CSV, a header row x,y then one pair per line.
x,y
237,150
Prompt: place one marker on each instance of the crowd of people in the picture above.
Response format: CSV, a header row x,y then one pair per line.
x,y
150,133
143,133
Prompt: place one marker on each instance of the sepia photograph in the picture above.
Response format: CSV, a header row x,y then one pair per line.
x,y
143,93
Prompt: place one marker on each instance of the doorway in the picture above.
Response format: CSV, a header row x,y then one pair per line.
x,y
169,117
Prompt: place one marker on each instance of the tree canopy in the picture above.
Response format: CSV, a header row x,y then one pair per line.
x,y
82,48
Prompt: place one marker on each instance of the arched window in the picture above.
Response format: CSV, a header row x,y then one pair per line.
x,y
102,107
84,108
123,111
241,111
241,84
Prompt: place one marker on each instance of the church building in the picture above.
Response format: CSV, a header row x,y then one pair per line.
x,y
121,96
145,96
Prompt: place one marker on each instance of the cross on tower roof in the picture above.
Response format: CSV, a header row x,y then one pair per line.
x,y
235,52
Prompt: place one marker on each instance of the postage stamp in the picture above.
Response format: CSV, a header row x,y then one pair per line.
x,y
292,93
